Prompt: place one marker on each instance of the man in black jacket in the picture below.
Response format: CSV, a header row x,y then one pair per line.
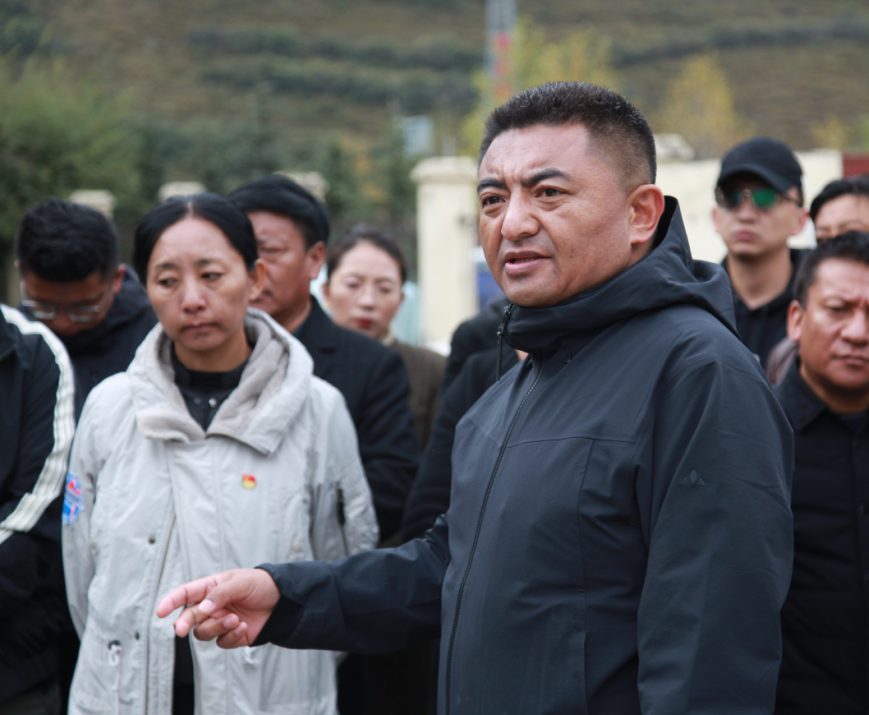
x,y
619,537
36,428
67,255
292,229
825,394
759,197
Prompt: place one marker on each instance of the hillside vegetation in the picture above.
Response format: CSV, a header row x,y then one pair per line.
x,y
222,90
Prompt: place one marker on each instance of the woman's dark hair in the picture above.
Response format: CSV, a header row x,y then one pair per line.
x,y
375,237
848,246
209,207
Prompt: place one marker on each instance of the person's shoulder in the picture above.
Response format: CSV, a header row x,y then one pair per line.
x,y
691,335
36,345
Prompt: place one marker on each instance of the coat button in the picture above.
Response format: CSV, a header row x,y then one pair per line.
x,y
298,547
94,544
212,403
863,509
152,539
136,635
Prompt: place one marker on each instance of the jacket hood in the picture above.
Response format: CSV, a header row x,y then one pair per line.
x,y
130,302
273,388
667,276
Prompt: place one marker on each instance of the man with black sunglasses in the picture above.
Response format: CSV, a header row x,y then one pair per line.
x,y
760,206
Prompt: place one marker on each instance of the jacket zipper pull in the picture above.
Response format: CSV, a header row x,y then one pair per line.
x,y
115,652
508,311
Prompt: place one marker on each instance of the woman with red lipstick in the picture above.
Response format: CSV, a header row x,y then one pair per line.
x,y
366,271
217,448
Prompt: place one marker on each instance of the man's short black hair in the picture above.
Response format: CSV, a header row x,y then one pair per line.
x,y
213,208
616,126
376,237
851,185
849,246
281,195
62,241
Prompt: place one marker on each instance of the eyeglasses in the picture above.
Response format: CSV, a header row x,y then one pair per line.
x,y
81,313
763,198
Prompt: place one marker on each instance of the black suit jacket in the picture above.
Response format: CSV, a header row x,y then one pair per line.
x,y
375,386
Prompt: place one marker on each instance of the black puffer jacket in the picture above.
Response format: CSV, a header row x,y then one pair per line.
x,y
36,427
619,538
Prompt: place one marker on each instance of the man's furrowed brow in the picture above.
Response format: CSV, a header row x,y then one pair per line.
x,y
535,179
490,184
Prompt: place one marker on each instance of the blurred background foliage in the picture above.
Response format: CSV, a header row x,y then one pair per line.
x,y
124,96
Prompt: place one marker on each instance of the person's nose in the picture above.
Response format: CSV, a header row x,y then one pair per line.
x,y
519,220
192,296
366,297
746,211
856,329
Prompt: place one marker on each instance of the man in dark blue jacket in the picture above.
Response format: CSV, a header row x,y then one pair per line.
x,y
36,427
619,534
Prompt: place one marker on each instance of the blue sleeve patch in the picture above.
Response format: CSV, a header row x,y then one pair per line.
x,y
72,500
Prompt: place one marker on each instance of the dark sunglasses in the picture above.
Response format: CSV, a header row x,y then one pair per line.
x,y
763,198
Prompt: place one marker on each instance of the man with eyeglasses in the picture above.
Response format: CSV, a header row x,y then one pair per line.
x,y
759,200
67,256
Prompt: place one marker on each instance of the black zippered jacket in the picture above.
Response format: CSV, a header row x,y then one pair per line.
x,y
619,538
36,427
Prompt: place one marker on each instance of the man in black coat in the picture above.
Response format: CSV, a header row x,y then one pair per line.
x,y
825,394
67,255
36,428
759,197
292,229
619,538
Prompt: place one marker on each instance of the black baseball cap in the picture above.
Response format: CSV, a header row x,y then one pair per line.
x,y
770,159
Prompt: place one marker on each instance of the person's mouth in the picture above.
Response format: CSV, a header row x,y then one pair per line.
x,y
517,263
745,236
364,323
852,360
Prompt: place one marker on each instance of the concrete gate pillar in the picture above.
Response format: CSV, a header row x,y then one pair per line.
x,y
446,222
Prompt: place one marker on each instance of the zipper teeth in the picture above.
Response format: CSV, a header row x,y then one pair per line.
x,y
153,607
477,538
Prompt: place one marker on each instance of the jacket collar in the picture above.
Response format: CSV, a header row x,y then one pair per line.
x,y
784,298
801,405
318,333
274,386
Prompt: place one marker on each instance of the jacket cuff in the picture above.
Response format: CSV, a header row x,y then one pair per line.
x,y
285,618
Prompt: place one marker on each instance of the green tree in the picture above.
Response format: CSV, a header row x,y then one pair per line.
x,y
699,105
57,136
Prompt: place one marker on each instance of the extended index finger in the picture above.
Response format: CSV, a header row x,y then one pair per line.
x,y
192,592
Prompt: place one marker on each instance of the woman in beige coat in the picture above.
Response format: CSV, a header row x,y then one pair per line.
x,y
216,449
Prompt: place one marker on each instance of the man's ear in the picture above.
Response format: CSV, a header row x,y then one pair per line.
x,y
795,321
325,290
316,257
118,279
800,220
258,279
645,208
